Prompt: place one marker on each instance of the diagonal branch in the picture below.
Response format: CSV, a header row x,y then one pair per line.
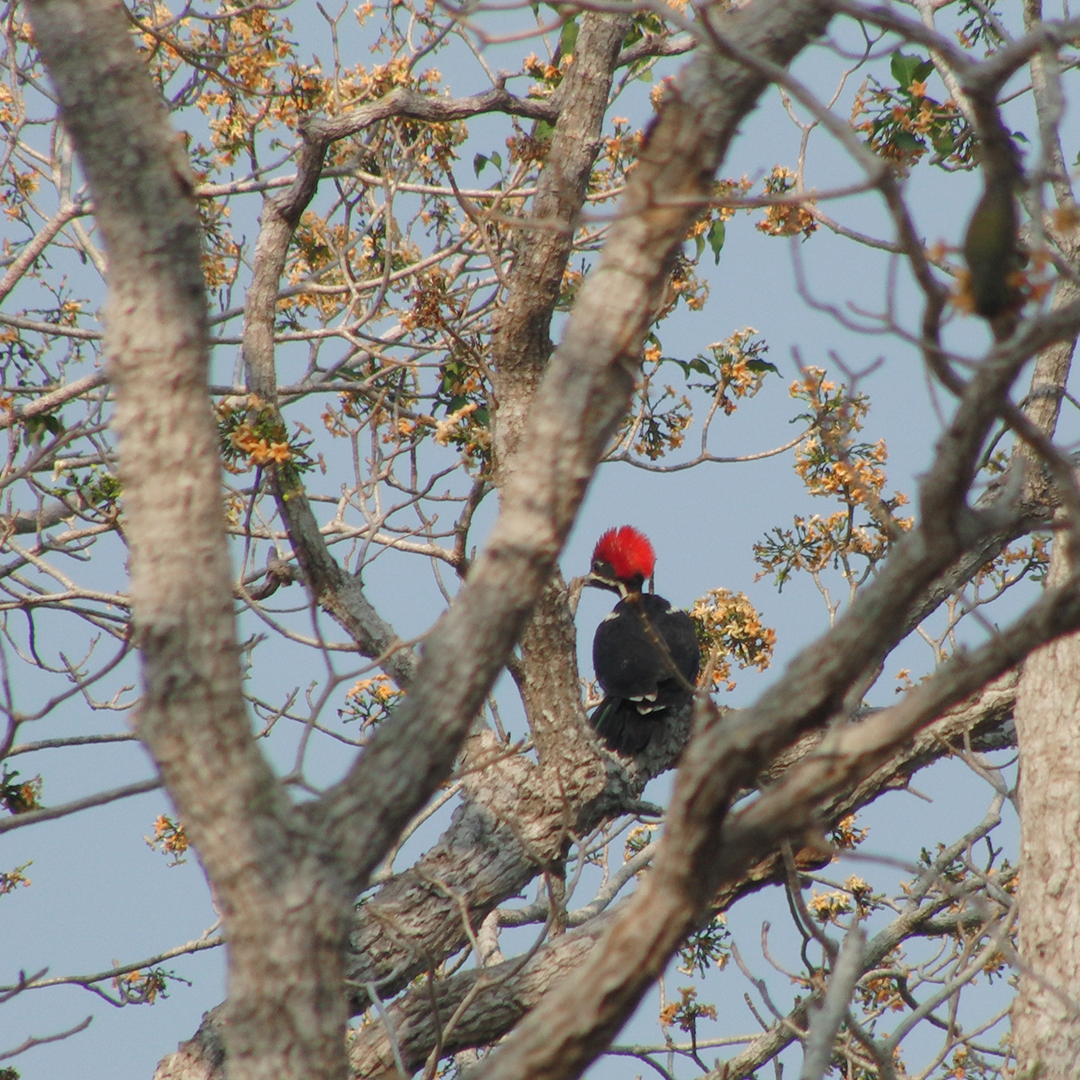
x,y
337,592
583,396
700,853
511,990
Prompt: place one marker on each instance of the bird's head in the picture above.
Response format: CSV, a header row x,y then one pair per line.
x,y
621,561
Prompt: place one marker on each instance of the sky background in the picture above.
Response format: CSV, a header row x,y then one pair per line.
x,y
100,894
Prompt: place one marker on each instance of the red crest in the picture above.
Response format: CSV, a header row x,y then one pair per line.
x,y
627,551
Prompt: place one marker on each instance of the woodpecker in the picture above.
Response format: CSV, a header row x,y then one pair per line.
x,y
645,651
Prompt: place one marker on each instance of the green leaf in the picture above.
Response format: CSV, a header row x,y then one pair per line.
x,y
902,67
481,161
760,366
906,141
905,68
716,236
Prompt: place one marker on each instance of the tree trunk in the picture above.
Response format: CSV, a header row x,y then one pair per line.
x,y
1046,1014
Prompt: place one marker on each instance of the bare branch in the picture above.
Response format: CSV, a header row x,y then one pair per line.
x,y
41,1040
825,1020
50,813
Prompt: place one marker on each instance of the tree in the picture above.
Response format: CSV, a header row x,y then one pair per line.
x,y
413,316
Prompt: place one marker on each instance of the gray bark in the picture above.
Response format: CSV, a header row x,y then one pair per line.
x,y
1046,1013
284,914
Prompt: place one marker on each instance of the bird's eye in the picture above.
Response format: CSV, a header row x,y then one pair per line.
x,y
597,564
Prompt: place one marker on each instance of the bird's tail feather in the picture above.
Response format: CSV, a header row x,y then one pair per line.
x,y
623,729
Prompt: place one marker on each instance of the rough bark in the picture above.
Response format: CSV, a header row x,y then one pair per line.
x,y
547,675
521,346
491,1001
284,914
409,913
1046,1014
484,1004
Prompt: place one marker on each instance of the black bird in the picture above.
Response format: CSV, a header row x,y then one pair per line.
x,y
645,652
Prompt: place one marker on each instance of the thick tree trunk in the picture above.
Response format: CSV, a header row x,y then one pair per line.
x,y
1046,1014
284,914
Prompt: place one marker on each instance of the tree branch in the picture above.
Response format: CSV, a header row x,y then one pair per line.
x,y
51,813
338,593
